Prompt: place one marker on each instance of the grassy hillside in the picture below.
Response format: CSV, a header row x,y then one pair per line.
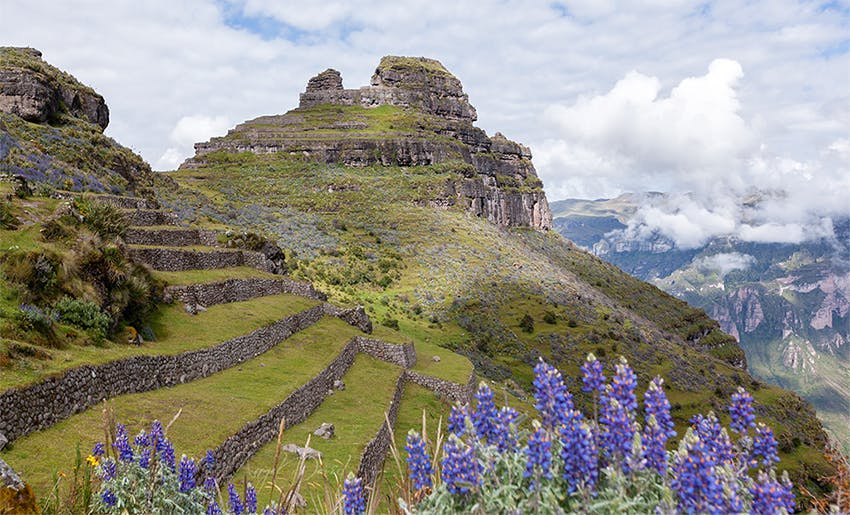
x,y
367,235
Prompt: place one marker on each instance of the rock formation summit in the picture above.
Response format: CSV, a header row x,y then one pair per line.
x,y
414,113
38,92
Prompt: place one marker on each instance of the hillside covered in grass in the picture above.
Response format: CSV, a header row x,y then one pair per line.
x,y
398,236
354,261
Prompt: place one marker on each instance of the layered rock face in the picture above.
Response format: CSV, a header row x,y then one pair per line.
x,y
414,113
36,92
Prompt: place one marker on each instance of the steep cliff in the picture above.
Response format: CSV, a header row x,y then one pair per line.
x,y
51,130
414,113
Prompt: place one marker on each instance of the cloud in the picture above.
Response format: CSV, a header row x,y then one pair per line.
x,y
188,131
725,262
611,96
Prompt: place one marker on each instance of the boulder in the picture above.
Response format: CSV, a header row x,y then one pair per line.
x,y
339,385
307,452
325,431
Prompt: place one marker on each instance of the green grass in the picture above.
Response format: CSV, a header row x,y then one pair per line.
x,y
176,331
356,412
210,276
215,407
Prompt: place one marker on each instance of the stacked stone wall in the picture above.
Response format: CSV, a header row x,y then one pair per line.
x,y
34,407
237,290
178,260
170,237
144,217
375,453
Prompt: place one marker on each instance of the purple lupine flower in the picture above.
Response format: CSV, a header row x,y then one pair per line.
x,y
484,416
697,487
765,447
623,385
354,498
122,444
592,376
157,436
457,419
213,508
269,511
617,431
709,430
655,403
186,473
142,439
108,469
208,462
235,501
505,437
658,428
418,461
210,485
741,410
460,467
145,458
578,453
167,456
771,496
250,499
108,498
98,450
538,454
551,395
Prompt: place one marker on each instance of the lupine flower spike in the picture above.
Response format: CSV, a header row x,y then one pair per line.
x,y
551,395
418,460
484,416
460,469
741,410
353,497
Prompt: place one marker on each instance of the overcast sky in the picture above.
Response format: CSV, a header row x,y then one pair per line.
x,y
711,100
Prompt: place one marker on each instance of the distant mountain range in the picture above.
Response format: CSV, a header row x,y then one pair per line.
x,y
787,304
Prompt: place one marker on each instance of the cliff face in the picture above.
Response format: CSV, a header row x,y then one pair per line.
x,y
414,113
37,92
51,130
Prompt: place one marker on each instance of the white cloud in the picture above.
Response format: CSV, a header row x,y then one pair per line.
x,y
672,125
188,131
725,262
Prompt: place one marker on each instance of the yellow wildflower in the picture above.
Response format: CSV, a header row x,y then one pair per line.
x,y
92,461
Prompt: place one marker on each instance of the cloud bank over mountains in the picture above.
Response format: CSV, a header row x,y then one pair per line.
x,y
721,176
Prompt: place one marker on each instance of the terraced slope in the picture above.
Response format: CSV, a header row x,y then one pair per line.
x,y
260,347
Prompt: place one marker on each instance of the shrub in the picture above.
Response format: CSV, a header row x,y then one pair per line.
x,y
390,322
35,271
103,219
550,317
7,219
33,318
83,314
527,323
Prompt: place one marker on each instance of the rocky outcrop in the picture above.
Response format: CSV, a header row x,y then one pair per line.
x,y
38,92
493,176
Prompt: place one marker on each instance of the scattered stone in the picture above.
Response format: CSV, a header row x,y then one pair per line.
x,y
339,385
330,392
326,431
436,359
194,309
307,452
9,478
3,441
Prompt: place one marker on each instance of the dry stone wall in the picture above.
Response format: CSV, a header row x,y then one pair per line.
x,y
237,290
401,355
375,453
30,408
177,260
170,237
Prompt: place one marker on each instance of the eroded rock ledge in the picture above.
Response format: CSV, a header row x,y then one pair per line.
x,y
425,118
